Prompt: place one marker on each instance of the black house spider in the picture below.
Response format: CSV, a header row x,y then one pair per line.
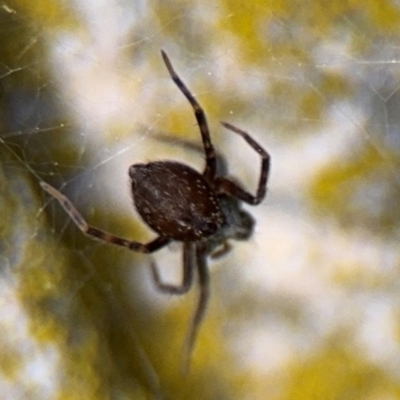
x,y
202,211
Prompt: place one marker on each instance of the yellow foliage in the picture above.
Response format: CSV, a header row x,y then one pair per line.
x,y
336,373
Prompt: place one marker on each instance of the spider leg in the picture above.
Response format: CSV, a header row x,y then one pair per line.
x,y
188,253
221,165
98,234
210,169
204,283
224,185
221,251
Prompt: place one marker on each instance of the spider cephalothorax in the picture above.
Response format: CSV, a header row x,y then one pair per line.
x,y
201,210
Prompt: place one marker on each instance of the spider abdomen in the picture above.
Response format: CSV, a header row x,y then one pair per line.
x,y
175,200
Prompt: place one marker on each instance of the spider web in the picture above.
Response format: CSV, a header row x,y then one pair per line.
x,y
85,94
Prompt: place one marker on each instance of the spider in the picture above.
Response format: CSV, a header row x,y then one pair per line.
x,y
201,210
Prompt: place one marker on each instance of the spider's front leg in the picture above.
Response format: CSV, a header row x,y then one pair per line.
x,y
221,251
99,234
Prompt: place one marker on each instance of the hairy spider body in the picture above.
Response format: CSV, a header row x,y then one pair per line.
x,y
175,200
201,210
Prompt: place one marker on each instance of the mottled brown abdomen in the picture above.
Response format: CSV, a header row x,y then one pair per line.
x,y
175,200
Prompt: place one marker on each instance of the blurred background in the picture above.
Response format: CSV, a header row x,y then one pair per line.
x,y
309,307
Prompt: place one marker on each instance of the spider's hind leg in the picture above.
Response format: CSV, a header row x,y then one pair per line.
x,y
187,279
209,151
204,283
170,139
